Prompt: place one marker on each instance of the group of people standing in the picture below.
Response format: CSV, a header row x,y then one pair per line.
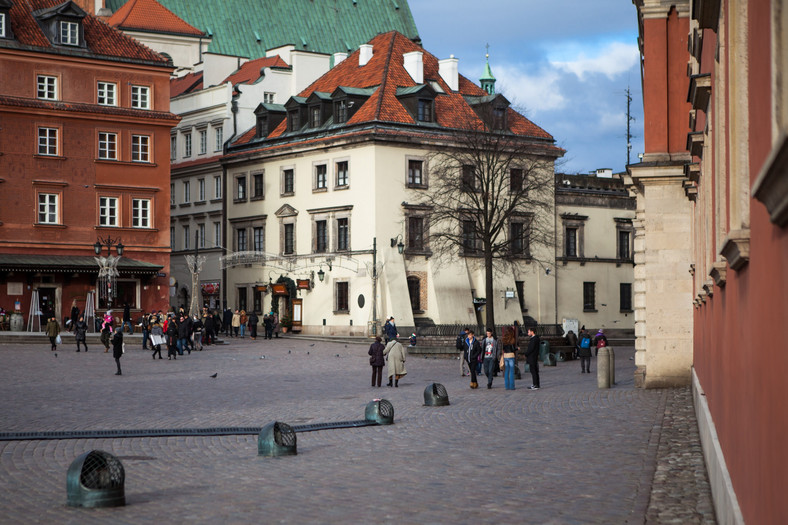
x,y
493,355
237,322
392,353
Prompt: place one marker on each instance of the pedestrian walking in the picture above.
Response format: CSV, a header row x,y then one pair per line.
x,y
236,322
471,352
106,330
391,329
172,338
127,317
491,349
157,338
227,322
197,328
80,332
145,323
244,320
117,347
74,316
460,345
376,361
268,323
53,332
509,341
600,340
571,340
210,328
396,360
253,320
184,332
275,321
532,356
584,352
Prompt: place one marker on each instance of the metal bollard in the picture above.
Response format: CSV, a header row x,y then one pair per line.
x,y
603,368
612,360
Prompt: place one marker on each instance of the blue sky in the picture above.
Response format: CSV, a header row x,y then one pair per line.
x,y
565,64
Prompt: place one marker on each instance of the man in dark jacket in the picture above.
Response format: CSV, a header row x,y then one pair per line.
x,y
227,321
532,356
210,329
172,338
471,352
127,318
184,332
253,320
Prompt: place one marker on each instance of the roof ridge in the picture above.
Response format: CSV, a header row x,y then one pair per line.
x,y
384,80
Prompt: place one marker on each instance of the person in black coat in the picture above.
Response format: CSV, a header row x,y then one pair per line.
x,y
376,361
253,320
184,333
80,329
172,339
210,329
227,321
268,322
117,347
472,349
532,356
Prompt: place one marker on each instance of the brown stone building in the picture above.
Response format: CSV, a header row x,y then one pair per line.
x,y
84,159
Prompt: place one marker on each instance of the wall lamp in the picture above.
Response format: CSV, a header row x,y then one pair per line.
x,y
400,246
321,274
109,242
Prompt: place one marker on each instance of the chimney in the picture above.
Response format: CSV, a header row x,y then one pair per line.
x,y
448,68
339,57
365,54
414,65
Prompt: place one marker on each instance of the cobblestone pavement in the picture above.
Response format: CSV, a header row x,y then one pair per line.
x,y
568,453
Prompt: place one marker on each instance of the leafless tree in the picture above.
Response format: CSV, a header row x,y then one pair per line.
x,y
491,195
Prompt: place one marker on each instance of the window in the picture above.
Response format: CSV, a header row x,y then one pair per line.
x,y
217,234
106,94
108,211
172,237
589,302
217,186
257,186
416,233
187,191
321,237
342,293
241,298
342,176
468,178
320,176
240,237
219,143
416,173
499,117
47,87
140,148
140,97
201,190
425,110
288,182
201,235
47,141
172,194
173,147
340,111
625,297
469,237
293,121
518,239
414,291
2,25
186,235
257,297
520,285
314,116
623,245
570,236
515,180
240,188
140,213
187,144
258,239
343,235
108,146
289,239
203,141
268,98
47,208
69,33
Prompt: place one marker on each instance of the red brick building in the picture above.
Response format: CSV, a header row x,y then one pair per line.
x,y
84,158
712,235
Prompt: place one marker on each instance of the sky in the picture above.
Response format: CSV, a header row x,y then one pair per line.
x,y
564,64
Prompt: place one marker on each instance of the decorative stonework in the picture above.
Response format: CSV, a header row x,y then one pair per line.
x,y
771,186
708,287
717,272
736,248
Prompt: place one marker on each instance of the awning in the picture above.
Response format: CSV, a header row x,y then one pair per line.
x,y
11,262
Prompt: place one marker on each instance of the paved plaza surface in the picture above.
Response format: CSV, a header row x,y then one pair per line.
x,y
568,453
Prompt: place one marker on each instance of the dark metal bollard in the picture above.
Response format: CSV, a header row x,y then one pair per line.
x,y
380,411
549,360
96,479
276,439
544,351
435,395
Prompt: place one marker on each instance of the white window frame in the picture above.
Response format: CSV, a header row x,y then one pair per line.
x,y
48,208
140,97
217,186
2,25
318,184
187,144
48,144
140,148
108,211
173,147
186,234
46,87
201,190
219,138
268,97
106,93
140,213
217,234
69,33
187,191
201,234
107,145
203,135
338,184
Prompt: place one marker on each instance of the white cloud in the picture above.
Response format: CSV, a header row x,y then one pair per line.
x,y
611,60
540,90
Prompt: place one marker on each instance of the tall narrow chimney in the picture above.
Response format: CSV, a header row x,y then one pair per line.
x,y
365,54
414,65
448,69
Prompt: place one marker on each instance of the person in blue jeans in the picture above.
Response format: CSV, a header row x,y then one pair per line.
x,y
509,342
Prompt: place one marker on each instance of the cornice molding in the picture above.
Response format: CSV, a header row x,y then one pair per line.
x,y
736,249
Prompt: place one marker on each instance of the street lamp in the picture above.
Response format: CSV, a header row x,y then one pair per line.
x,y
321,274
399,245
109,242
108,266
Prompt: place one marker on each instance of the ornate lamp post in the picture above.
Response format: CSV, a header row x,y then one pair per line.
x,y
108,267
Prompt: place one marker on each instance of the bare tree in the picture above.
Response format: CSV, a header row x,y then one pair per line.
x,y
492,195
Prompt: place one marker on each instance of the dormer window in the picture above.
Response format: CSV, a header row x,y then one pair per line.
x,y
314,117
293,121
425,110
268,117
499,117
340,111
419,101
69,33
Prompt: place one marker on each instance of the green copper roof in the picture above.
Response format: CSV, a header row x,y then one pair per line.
x,y
487,75
247,28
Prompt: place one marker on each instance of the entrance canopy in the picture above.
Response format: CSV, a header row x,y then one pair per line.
x,y
10,262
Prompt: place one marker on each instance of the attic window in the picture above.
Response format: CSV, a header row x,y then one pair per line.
x,y
340,110
425,112
69,33
293,121
314,117
499,117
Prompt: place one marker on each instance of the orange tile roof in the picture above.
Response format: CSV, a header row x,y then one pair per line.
x,y
249,72
150,15
185,84
101,40
386,71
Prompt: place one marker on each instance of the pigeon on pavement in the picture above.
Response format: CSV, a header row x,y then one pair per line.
x,y
214,375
